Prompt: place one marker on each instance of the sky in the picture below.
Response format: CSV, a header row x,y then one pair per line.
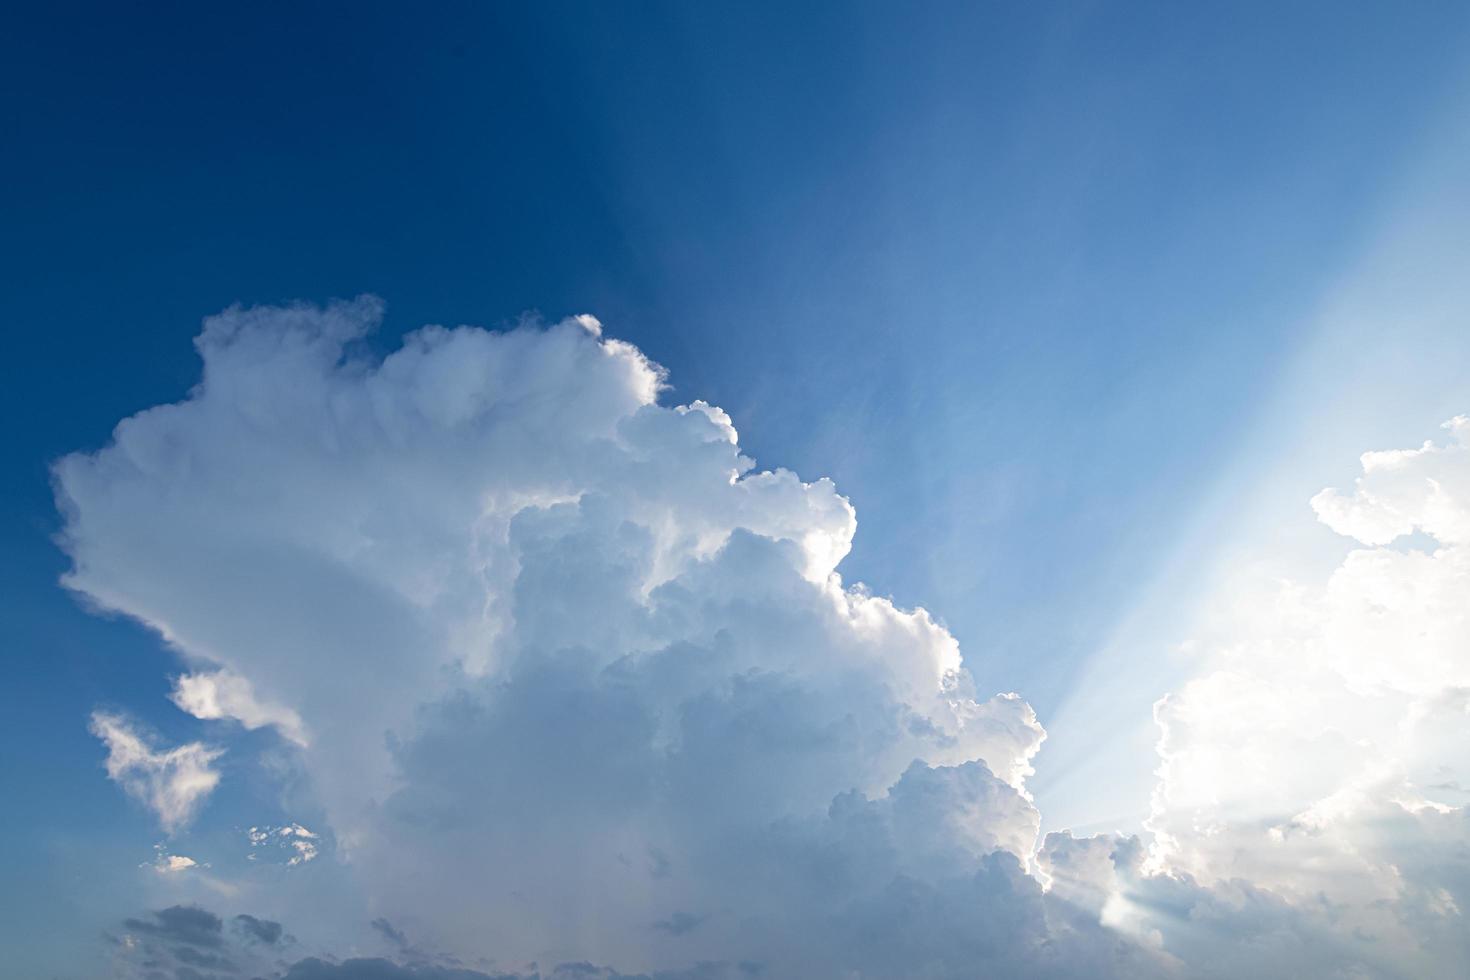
x,y
1048,325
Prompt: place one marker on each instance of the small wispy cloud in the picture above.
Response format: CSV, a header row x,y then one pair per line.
x,y
173,783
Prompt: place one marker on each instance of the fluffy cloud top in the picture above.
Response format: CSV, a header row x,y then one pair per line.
x,y
573,682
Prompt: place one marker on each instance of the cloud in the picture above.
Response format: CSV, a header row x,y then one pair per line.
x,y
1319,753
182,942
584,686
224,695
537,623
289,844
185,924
173,783
387,930
259,930
173,863
1404,490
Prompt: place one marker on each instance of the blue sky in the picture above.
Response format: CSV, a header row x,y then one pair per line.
x,y
1032,285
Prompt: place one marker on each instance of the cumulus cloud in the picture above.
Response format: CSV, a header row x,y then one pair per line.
x,y
584,686
169,864
1320,753
173,783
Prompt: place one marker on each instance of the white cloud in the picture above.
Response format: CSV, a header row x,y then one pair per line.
x,y
1320,753
589,323
298,844
224,695
170,864
173,783
305,851
1404,490
575,672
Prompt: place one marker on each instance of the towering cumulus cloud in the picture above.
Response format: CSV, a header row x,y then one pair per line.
x,y
572,682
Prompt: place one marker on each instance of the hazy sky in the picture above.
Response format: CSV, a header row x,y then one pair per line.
x,y
1078,307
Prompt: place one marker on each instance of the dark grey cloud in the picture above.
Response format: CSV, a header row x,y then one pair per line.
x,y
187,942
260,930
187,924
389,932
